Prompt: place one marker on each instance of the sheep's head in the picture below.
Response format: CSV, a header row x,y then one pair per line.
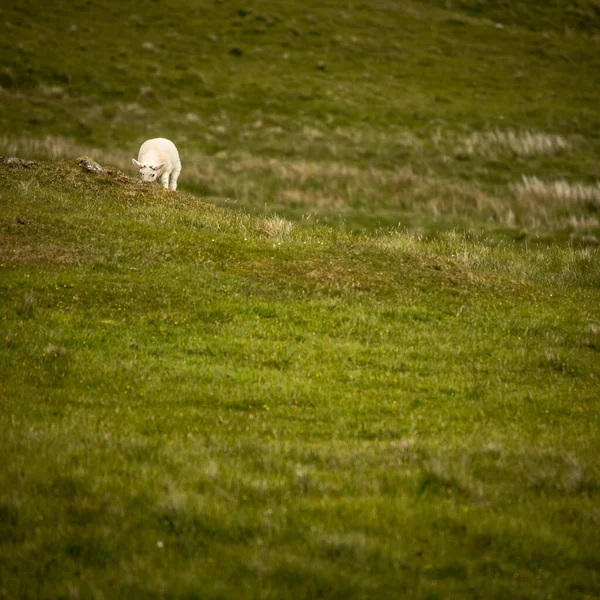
x,y
148,172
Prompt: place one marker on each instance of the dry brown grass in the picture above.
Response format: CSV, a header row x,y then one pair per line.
x,y
522,143
559,192
276,227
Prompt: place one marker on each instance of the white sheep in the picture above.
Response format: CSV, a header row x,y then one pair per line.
x,y
159,158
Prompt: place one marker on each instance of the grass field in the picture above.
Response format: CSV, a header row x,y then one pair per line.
x,y
355,355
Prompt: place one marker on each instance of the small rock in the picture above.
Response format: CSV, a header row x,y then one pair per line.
x,y
17,162
87,164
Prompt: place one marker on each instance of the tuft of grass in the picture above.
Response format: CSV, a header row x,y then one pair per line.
x,y
276,227
560,192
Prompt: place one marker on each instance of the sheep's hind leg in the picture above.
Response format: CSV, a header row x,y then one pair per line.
x,y
175,177
164,179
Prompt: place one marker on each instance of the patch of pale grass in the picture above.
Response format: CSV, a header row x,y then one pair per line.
x,y
452,245
560,190
326,183
276,227
522,143
297,170
51,91
312,134
126,111
582,223
373,138
458,198
399,241
355,544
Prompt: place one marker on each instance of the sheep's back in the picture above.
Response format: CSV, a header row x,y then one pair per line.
x,y
158,150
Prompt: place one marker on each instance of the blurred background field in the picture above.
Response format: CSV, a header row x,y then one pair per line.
x,y
476,115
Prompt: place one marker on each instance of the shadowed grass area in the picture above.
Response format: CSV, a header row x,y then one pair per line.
x,y
198,402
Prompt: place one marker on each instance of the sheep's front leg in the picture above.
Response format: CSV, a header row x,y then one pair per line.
x,y
164,179
175,177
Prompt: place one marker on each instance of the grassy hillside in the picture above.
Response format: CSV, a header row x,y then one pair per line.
x,y
427,114
201,403
355,355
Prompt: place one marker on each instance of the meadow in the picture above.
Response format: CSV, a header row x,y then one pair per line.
x,y
355,355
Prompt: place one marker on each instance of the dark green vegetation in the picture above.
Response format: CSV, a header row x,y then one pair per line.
x,y
199,402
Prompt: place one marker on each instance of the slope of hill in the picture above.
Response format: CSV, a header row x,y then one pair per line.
x,y
202,403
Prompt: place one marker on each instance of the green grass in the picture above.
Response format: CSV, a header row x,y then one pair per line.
x,y
200,403
355,355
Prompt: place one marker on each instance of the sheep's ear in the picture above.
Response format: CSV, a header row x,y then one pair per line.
x,y
139,165
157,167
